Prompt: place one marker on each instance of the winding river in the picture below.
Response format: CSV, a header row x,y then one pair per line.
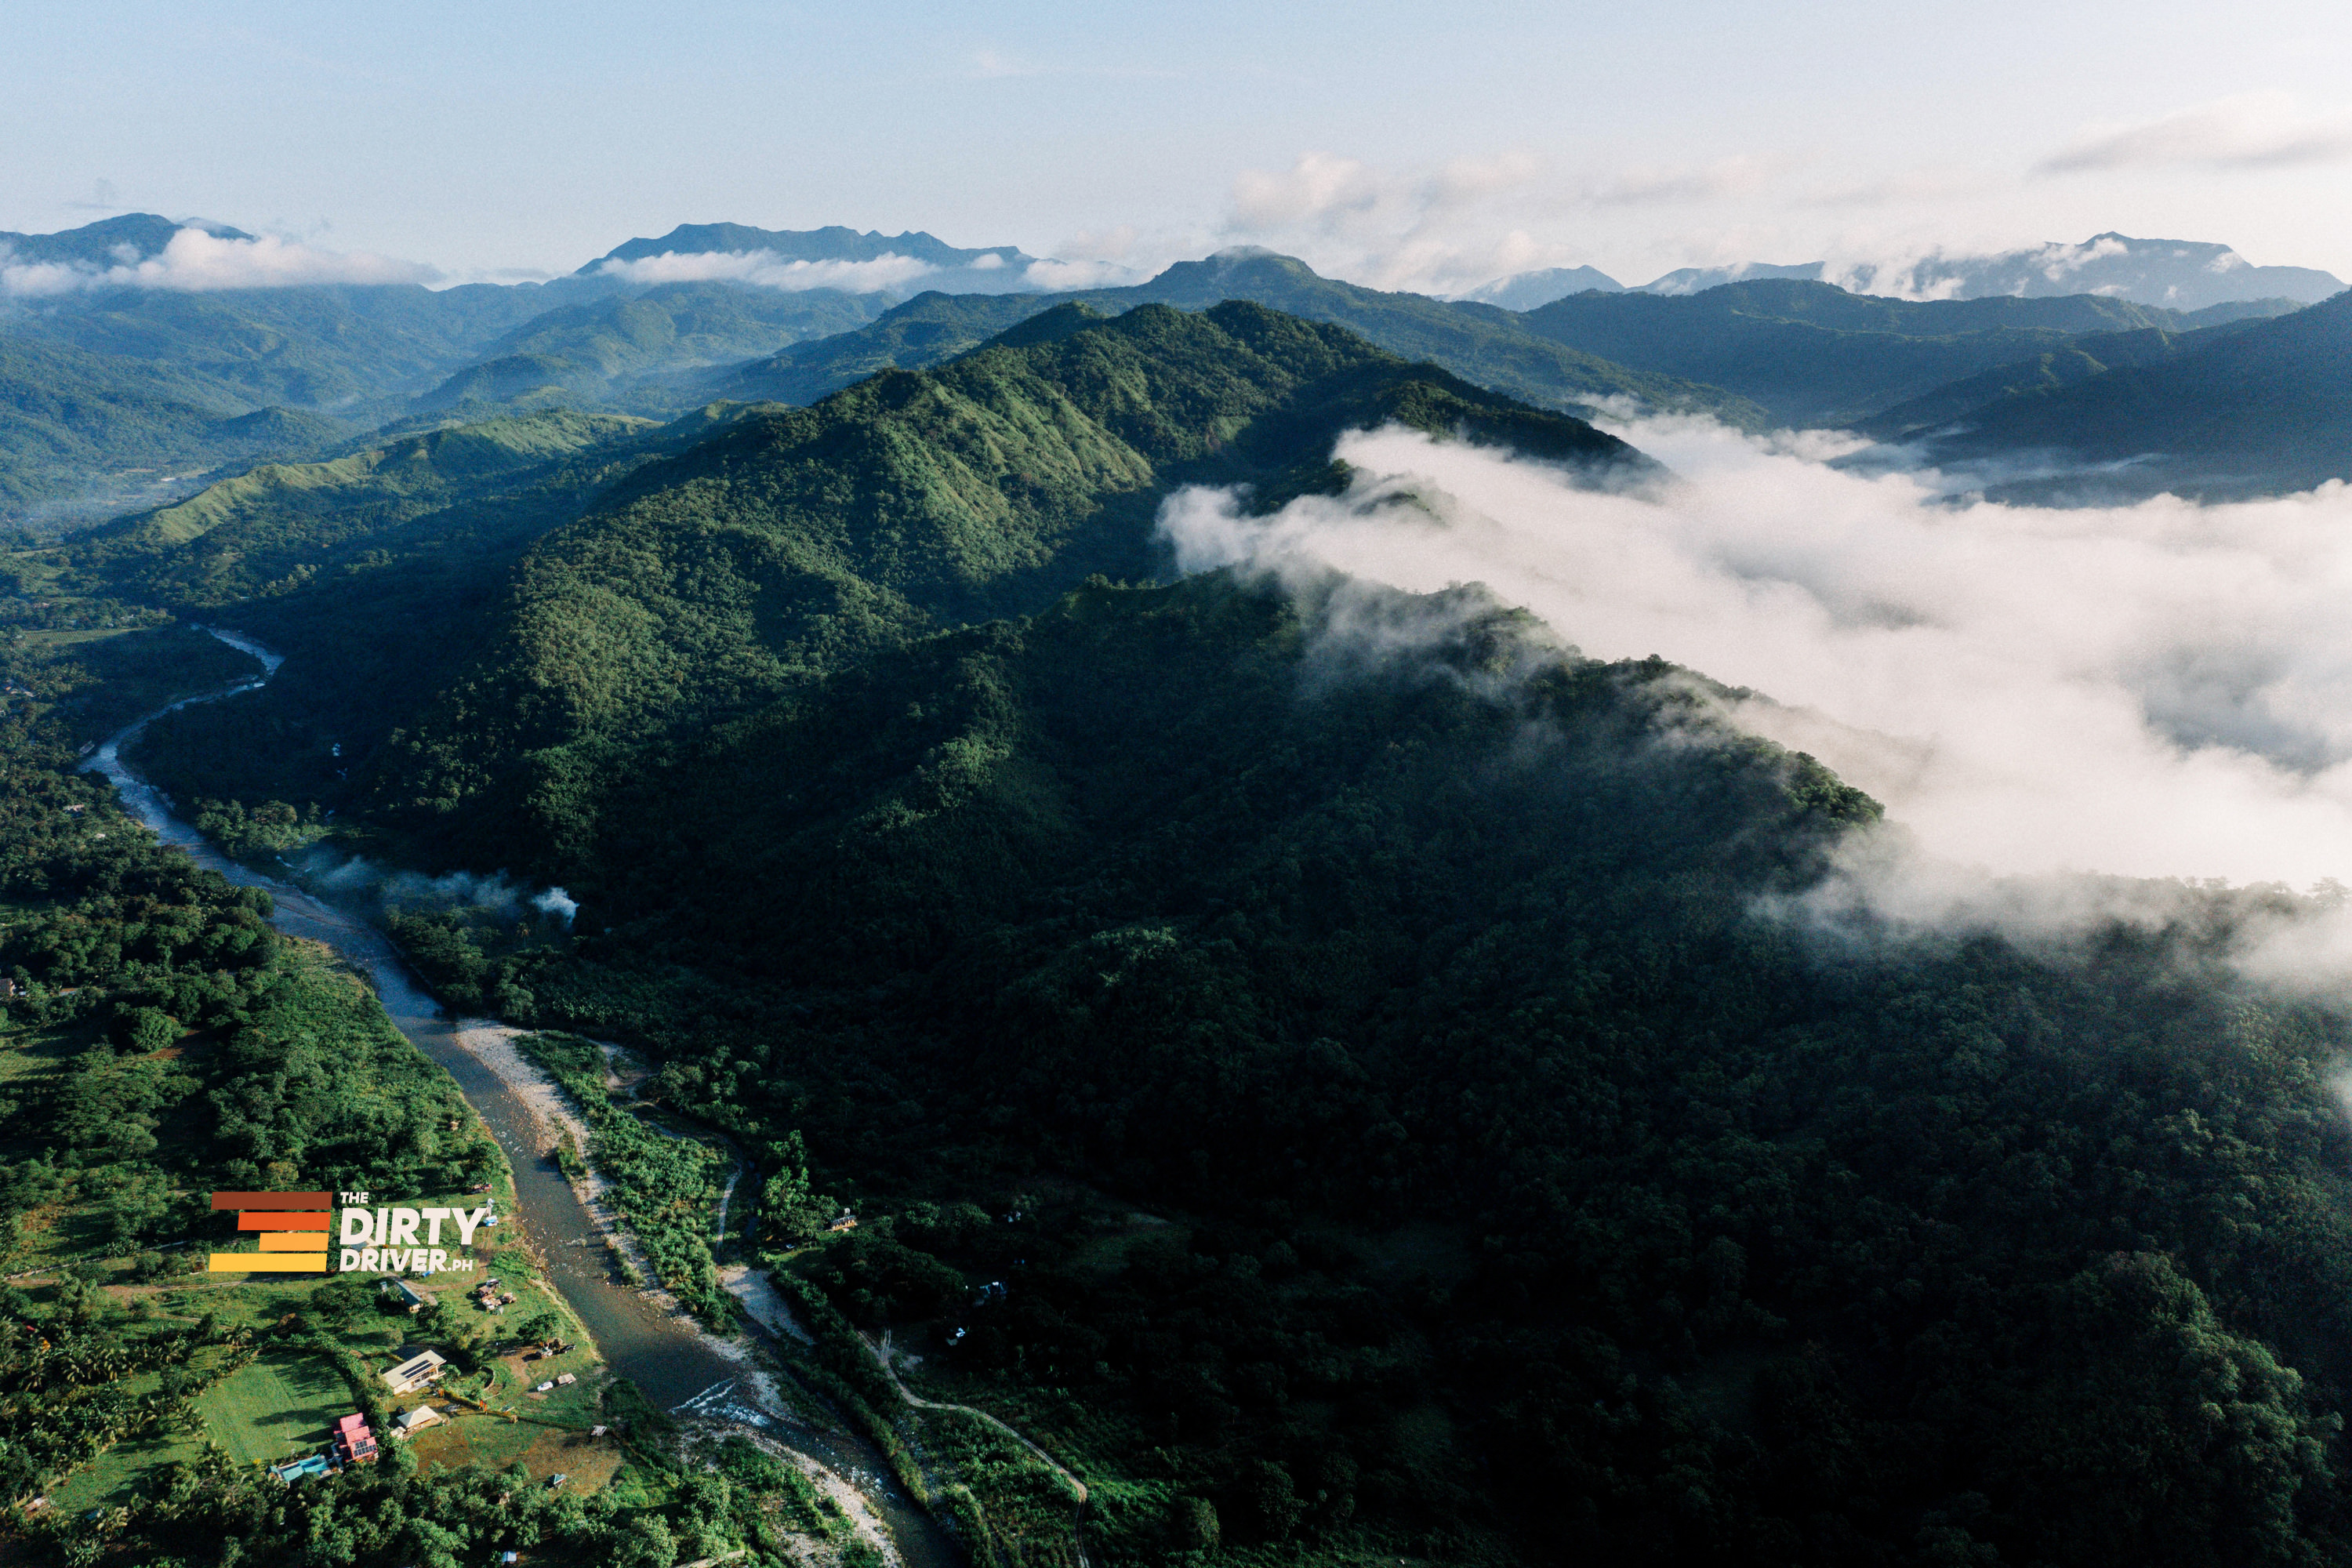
x,y
673,1364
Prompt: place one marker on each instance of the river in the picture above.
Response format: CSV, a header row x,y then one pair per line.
x,y
674,1365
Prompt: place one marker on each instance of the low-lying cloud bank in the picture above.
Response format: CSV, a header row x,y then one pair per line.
x,y
766,269
198,262
2162,691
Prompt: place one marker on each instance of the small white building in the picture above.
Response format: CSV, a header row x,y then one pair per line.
x,y
416,1420
419,1371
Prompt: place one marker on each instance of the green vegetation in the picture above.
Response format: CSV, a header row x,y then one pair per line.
x,y
1487,347
279,1407
1813,354
772,546
630,350
665,1186
1321,1063
2259,408
1508,1157
2080,358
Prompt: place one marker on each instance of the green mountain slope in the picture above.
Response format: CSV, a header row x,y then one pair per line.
x,y
2093,354
1514,1193
386,567
312,347
602,352
2263,409
71,420
1479,343
1813,353
793,542
102,244
1318,1058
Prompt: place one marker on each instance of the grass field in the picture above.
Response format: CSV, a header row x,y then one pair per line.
x,y
279,1406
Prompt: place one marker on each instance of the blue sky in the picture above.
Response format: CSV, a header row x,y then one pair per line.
x,y
1413,146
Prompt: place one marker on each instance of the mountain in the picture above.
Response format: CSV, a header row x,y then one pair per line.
x,y
2177,274
626,349
1692,279
133,237
104,431
1478,342
1813,354
2081,358
1321,1060
1526,291
988,269
793,541
833,243
2264,407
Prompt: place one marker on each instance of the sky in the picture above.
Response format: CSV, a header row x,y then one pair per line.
x,y
1400,145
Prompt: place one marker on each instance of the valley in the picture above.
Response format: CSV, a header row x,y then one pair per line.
x,y
1137,1052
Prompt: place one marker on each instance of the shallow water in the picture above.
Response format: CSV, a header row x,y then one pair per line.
x,y
671,1364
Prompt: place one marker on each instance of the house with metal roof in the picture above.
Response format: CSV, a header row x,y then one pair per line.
x,y
418,1371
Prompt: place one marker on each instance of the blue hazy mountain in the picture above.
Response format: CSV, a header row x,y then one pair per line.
x,y
1526,291
133,237
1487,346
2256,408
985,270
1814,354
2179,274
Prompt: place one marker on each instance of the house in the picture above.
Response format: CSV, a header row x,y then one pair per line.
x,y
416,1420
355,1444
409,1296
418,1371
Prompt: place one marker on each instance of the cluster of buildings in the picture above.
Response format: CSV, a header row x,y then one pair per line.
x,y
354,1444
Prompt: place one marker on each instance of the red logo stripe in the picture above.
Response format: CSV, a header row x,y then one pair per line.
x,y
273,1200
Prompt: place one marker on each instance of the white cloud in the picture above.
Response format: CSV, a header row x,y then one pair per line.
x,y
195,261
2162,690
1905,187
1454,226
2250,130
1658,185
1321,190
766,269
1053,276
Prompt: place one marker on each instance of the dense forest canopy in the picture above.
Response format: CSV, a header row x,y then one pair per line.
x,y
793,542
1324,1062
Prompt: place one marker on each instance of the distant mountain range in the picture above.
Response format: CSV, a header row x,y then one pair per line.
x,y
1815,355
2256,408
2178,274
833,256
114,397
1526,291
133,237
1481,343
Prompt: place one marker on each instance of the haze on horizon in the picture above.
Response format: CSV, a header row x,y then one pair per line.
x,y
1377,144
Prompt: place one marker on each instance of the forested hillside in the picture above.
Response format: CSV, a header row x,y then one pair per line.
x,y
1813,354
2261,408
1480,343
1323,1062
600,351
1528,1195
794,542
